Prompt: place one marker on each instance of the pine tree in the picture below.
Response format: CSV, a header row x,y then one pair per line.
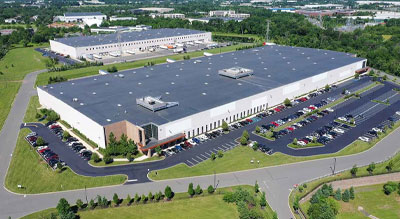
x,y
338,194
352,193
263,201
198,190
346,196
256,188
191,190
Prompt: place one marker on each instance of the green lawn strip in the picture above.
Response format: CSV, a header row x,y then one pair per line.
x,y
309,145
43,78
28,169
255,37
370,86
8,91
116,163
181,206
19,62
30,115
84,138
64,123
239,159
344,122
380,169
387,103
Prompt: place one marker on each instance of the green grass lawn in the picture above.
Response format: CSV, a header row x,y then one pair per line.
x,y
181,206
309,145
32,109
43,78
254,36
8,91
116,163
28,169
24,60
239,159
374,201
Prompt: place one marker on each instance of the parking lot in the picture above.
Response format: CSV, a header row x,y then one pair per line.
x,y
60,58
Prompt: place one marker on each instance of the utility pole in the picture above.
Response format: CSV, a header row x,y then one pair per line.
x,y
267,34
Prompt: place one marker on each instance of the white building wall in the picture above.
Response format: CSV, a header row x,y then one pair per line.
x,y
63,49
137,45
211,119
84,124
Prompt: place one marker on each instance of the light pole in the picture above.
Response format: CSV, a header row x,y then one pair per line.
x,y
86,196
334,166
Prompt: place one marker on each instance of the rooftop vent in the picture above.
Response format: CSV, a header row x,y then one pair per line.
x,y
154,103
235,72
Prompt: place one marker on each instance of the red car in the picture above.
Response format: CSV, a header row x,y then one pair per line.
x,y
312,108
249,120
304,140
187,144
32,138
275,124
43,150
54,126
303,99
281,107
277,109
290,128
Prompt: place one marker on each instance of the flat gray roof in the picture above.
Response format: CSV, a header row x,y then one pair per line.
x,y
197,86
75,14
102,39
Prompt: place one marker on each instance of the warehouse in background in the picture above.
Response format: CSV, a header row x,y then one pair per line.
x,y
163,104
126,42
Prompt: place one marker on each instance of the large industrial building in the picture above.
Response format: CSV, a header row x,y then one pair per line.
x,y
84,46
162,104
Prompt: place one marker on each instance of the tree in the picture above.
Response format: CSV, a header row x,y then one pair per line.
x,y
79,204
323,209
338,194
263,201
144,199
389,187
159,196
243,141
198,190
258,129
220,153
129,157
225,126
92,204
128,199
40,141
356,76
107,159
275,215
246,135
96,158
295,141
168,193
371,168
191,190
213,156
327,87
354,170
287,102
389,166
116,199
210,189
137,198
346,196
351,191
256,187
66,135
158,150
63,208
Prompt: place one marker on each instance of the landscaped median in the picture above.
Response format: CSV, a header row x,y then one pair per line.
x,y
240,158
230,202
43,78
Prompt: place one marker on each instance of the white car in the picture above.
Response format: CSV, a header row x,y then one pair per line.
x,y
41,147
329,109
342,119
307,110
362,138
377,129
328,136
192,142
72,142
302,143
398,113
338,130
31,134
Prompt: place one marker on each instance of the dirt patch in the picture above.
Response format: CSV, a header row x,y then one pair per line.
x,y
347,207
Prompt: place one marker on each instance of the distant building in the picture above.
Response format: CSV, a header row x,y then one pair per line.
x,y
207,19
330,6
61,25
81,16
159,10
221,13
240,15
115,18
114,29
290,10
10,20
175,15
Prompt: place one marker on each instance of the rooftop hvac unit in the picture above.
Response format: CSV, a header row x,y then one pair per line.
x,y
75,99
236,72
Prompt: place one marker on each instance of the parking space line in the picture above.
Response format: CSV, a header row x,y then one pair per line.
x,y
190,162
199,158
224,147
207,153
195,160
204,156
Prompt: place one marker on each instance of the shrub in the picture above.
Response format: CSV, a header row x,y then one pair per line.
x,y
150,196
210,189
128,200
191,190
351,191
389,187
346,196
354,170
112,69
225,126
63,207
287,102
246,135
258,129
389,166
79,204
198,190
157,196
229,197
255,146
158,150
243,141
213,156
263,201
220,153
371,168
301,188
295,141
338,194
40,141
137,198
168,193
305,185
92,204
108,159
66,135
256,187
129,157
96,158
144,199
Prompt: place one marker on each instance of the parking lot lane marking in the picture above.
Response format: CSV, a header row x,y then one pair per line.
x,y
199,158
224,147
132,180
204,156
207,153
195,160
190,162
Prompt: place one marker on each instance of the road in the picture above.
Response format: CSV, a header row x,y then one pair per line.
x,y
276,181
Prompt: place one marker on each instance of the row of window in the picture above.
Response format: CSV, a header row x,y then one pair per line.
x,y
146,41
216,124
